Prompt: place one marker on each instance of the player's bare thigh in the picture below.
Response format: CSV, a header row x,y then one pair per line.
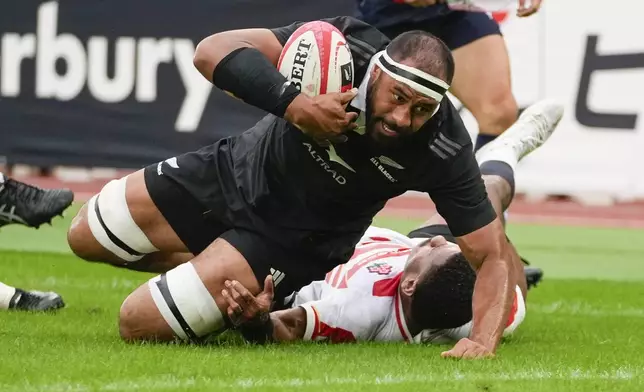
x,y
482,82
137,220
192,291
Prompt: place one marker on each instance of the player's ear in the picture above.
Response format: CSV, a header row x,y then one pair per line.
x,y
375,73
408,286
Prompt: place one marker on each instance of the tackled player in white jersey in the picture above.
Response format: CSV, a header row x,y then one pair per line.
x,y
415,288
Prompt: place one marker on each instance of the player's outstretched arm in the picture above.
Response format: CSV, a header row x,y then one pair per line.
x,y
463,201
492,257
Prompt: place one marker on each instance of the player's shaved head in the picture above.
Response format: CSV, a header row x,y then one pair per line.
x,y
426,51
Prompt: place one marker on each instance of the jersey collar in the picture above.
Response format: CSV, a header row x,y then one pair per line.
x,y
400,318
360,100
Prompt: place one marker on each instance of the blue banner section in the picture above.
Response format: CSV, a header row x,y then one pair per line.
x,y
111,83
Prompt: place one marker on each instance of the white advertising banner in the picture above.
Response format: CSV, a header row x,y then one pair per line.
x,y
589,55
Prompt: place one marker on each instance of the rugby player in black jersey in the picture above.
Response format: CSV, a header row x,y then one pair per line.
x,y
292,196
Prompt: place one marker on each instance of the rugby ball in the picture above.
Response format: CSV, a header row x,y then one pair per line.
x,y
317,60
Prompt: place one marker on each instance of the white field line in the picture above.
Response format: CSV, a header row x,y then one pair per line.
x,y
172,382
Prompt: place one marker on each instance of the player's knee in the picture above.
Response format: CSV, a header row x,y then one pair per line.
x,y
498,113
105,230
78,234
129,328
140,321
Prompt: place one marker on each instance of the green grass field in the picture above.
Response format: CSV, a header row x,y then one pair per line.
x,y
584,330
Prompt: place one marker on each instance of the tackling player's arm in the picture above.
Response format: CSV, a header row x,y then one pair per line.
x,y
295,324
462,201
251,314
339,318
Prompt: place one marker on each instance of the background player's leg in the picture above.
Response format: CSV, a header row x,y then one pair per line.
x,y
37,301
186,302
482,83
122,226
498,160
30,206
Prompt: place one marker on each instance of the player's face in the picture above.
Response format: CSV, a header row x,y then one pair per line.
x,y
431,252
394,110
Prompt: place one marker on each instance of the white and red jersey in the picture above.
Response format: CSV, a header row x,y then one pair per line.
x,y
359,300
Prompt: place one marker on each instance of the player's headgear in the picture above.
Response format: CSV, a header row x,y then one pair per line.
x,y
421,81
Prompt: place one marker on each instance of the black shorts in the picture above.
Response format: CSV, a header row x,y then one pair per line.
x,y
455,28
198,227
433,231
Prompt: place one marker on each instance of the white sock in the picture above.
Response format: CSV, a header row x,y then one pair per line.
x,y
506,155
6,293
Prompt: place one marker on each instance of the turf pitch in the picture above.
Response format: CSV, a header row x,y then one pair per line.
x,y
584,330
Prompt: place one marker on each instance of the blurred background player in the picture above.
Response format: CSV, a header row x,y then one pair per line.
x,y
30,206
482,76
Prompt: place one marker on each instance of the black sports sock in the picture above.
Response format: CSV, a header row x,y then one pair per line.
x,y
482,140
501,169
15,300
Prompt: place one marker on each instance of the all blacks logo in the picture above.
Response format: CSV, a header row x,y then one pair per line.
x,y
302,54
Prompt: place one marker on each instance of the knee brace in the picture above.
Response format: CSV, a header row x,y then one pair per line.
x,y
185,303
112,224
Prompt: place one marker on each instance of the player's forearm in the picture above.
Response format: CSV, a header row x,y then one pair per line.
x,y
493,295
242,63
211,50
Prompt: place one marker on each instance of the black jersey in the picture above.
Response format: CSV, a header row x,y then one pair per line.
x,y
277,180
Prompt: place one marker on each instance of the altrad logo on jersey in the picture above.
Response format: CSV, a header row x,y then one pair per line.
x,y
339,178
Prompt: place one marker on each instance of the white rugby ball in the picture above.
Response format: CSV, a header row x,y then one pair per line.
x,y
317,60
